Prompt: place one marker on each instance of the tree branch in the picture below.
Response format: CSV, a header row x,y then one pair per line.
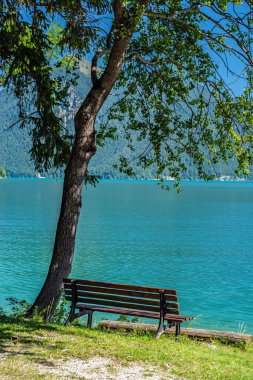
x,y
230,35
94,64
172,15
118,10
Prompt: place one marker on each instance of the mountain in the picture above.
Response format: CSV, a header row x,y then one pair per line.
x,y
15,143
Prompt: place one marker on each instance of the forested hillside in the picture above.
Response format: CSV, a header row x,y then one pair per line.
x,y
15,143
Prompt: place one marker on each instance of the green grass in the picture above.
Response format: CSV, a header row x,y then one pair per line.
x,y
23,344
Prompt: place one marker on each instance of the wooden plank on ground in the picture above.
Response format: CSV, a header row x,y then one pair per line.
x,y
192,333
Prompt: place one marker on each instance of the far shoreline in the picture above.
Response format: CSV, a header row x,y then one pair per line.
x,y
133,180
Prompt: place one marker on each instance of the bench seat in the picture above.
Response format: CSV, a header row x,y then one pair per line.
x,y
134,313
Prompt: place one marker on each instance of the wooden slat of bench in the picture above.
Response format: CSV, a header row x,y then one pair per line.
x,y
91,301
115,304
168,317
150,302
119,286
101,303
145,301
120,292
120,311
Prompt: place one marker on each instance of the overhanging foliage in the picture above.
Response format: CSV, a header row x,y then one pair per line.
x,y
172,93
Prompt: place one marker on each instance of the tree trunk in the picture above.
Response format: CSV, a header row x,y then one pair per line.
x,y
84,148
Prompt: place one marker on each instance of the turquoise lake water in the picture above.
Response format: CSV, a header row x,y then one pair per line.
x,y
199,242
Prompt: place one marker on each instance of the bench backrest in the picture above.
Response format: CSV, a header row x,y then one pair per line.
x,y
119,295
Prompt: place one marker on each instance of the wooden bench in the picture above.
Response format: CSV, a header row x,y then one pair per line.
x,y
133,300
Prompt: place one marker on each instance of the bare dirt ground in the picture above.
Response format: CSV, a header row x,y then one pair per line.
x,y
103,369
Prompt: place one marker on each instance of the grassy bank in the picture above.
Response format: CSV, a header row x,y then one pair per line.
x,y
32,350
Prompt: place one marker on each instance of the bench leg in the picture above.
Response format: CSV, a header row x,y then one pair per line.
x,y
67,322
89,323
178,326
72,315
70,318
161,329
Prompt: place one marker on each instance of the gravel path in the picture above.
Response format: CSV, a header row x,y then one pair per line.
x,y
103,369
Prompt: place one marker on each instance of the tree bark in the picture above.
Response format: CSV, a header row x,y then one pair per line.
x,y
60,267
83,149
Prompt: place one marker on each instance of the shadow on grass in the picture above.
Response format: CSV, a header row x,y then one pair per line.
x,y
13,330
12,352
20,336
27,324
10,327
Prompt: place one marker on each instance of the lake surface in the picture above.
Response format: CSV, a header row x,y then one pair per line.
x,y
199,242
